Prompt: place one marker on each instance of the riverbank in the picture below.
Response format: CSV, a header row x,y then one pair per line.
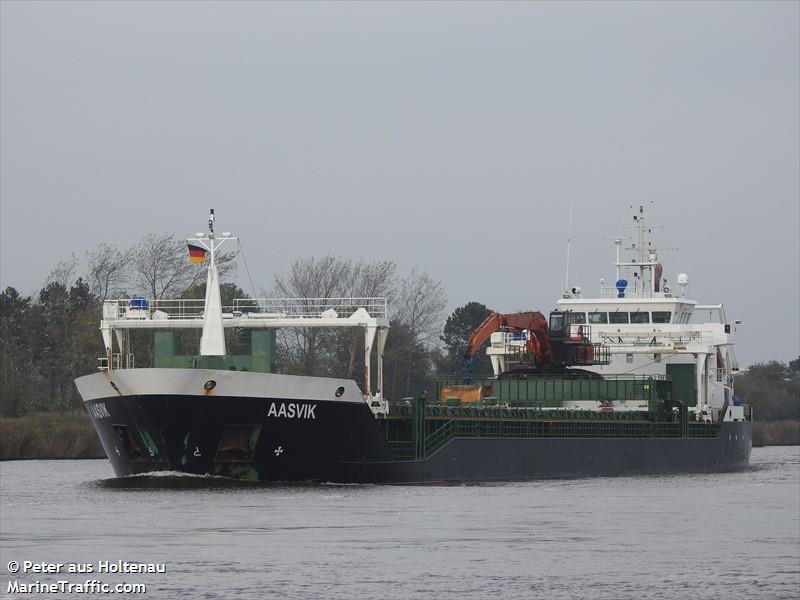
x,y
57,435
52,435
776,433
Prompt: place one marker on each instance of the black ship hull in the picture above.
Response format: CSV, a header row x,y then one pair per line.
x,y
290,439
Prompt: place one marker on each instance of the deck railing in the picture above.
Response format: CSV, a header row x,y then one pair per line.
x,y
312,307
633,292
439,437
145,308
589,428
438,424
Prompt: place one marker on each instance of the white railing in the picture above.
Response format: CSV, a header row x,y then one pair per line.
x,y
117,362
312,307
631,292
143,308
654,339
716,312
580,331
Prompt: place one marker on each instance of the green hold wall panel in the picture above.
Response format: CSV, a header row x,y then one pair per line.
x,y
684,383
552,392
260,360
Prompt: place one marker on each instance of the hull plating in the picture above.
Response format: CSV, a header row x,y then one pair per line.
x,y
277,439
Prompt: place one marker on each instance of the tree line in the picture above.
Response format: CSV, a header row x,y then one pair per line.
x,y
772,389
51,337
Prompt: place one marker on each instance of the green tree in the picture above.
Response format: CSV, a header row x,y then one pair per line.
x,y
794,367
237,340
228,292
457,330
407,363
19,377
68,338
772,389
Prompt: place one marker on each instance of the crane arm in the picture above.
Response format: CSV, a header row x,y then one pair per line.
x,y
538,345
483,332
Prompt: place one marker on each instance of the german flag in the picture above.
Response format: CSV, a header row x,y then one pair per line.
x,y
197,254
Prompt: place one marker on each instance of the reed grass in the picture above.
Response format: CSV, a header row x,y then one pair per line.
x,y
49,435
776,433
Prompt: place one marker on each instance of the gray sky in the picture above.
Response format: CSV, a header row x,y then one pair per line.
x,y
448,137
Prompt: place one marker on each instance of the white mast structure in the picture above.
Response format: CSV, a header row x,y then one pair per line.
x,y
680,341
212,340
122,315
647,264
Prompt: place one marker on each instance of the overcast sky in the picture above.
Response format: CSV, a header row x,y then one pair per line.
x,y
448,137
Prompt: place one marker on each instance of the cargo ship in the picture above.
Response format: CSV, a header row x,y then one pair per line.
x,y
625,382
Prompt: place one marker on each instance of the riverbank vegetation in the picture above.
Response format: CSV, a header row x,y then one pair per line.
x,y
773,390
49,338
67,434
776,433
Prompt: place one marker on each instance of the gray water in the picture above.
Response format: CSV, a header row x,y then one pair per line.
x,y
732,535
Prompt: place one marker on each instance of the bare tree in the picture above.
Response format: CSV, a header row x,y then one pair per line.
x,y
300,348
314,278
420,308
366,280
371,279
161,266
418,317
64,272
316,351
108,270
420,305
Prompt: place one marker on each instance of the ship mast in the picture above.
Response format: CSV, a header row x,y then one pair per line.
x,y
646,263
212,340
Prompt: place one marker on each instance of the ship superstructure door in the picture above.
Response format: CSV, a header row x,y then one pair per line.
x,y
684,383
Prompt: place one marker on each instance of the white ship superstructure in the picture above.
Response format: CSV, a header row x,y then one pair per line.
x,y
652,329
122,316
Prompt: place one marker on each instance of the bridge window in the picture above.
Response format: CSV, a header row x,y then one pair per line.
x,y
640,317
598,318
576,318
556,322
661,316
618,317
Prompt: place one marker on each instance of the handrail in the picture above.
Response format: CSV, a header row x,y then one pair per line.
x,y
180,308
641,337
436,440
459,380
638,293
313,307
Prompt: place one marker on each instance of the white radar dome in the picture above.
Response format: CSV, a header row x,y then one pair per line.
x,y
683,279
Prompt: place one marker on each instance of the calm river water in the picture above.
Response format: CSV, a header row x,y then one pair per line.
x,y
726,536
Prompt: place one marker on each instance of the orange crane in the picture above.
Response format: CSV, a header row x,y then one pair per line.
x,y
538,345
552,347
